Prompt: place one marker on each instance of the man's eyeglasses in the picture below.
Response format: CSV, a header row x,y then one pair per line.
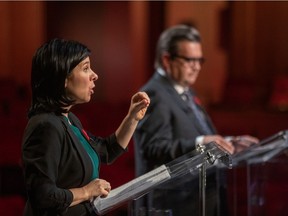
x,y
188,60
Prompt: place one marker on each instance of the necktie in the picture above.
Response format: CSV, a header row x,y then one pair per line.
x,y
188,98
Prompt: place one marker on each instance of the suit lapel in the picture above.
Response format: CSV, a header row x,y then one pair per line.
x,y
176,98
83,156
206,116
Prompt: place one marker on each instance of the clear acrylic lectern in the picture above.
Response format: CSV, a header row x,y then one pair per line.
x,y
194,162
257,178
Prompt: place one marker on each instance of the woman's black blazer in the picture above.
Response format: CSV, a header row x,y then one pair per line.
x,y
55,161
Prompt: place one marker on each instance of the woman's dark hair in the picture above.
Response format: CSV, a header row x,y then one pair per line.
x,y
169,39
51,64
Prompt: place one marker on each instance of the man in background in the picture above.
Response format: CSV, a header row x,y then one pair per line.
x,y
175,122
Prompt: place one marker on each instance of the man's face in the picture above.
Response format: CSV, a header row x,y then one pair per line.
x,y
184,67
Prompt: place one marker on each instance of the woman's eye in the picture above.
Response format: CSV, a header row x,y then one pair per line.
x,y
86,69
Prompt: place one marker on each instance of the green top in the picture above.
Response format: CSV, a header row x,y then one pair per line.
x,y
92,154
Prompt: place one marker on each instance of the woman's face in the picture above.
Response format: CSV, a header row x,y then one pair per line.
x,y
80,83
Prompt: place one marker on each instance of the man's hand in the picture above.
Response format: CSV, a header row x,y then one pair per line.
x,y
243,142
219,140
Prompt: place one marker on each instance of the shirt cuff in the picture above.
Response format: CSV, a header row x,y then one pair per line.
x,y
199,140
229,138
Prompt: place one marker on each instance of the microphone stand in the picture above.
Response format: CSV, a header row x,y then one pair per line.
x,y
202,186
202,182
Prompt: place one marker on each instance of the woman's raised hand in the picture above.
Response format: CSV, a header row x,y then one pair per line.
x,y
139,103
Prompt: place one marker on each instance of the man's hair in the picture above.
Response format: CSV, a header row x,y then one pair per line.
x,y
169,39
51,64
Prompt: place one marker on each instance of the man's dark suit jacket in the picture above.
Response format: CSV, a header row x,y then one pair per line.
x,y
54,161
168,130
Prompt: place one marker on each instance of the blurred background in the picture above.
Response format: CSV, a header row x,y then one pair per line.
x,y
243,84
